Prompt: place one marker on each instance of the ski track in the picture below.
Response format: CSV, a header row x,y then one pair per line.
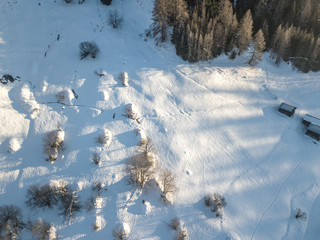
x,y
276,196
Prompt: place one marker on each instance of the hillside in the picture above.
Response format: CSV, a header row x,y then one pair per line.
x,y
215,125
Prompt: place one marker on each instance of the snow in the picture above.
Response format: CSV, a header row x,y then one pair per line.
x,y
215,124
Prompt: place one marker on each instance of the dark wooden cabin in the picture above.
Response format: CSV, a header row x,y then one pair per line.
x,y
287,109
313,131
308,119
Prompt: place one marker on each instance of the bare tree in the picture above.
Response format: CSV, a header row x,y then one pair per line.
x,y
43,230
167,182
10,222
115,20
41,196
142,166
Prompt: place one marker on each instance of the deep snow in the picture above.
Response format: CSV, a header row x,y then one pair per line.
x,y
215,125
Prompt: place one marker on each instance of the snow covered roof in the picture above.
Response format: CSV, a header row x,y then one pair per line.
x,y
287,107
310,119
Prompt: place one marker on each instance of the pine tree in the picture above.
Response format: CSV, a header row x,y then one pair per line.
x,y
259,46
245,32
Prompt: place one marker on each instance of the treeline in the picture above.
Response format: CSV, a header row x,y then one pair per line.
x,y
204,29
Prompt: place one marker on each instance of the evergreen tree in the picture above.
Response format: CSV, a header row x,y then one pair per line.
x,y
259,46
159,25
245,32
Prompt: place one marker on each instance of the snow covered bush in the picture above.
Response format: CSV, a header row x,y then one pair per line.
x,y
106,2
10,222
41,196
53,142
142,166
115,20
181,234
43,230
14,144
105,137
175,224
88,49
121,231
131,111
124,79
167,183
141,136
216,203
65,97
96,158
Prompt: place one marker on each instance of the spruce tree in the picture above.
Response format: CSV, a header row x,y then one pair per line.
x,y
159,25
259,46
245,32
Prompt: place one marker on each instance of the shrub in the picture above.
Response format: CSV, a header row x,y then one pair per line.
x,y
68,1
106,2
88,49
43,230
142,166
175,224
44,196
10,222
301,215
216,203
131,111
115,20
7,78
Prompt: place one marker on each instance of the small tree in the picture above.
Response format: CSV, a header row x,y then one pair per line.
x,y
88,49
106,2
115,20
10,222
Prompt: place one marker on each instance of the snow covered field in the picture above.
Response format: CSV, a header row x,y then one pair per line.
x,y
215,125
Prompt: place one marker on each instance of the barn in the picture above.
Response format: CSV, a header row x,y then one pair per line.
x,y
287,109
308,119
313,131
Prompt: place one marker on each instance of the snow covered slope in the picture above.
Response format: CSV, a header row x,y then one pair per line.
x,y
215,125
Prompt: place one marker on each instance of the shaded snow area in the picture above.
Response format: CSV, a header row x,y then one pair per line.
x,y
215,126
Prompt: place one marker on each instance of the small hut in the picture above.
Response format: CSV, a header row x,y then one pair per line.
x,y
308,119
287,109
313,131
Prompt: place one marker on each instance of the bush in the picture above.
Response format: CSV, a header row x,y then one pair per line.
x,y
88,49
44,196
142,166
216,203
10,222
181,234
115,20
301,215
43,230
106,2
68,1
